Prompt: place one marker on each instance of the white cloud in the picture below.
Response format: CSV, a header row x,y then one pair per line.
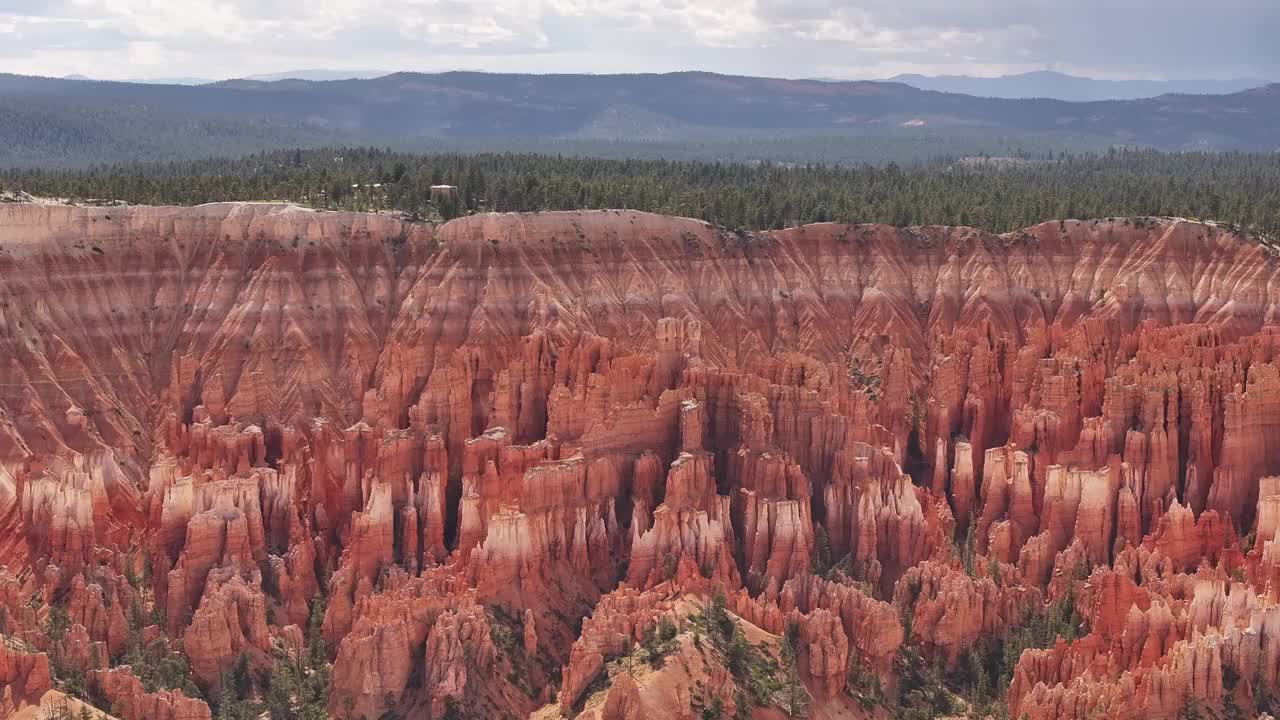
x,y
160,20
132,38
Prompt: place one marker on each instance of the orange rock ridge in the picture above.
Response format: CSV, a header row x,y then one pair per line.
x,y
501,451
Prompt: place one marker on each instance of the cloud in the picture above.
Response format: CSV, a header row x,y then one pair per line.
x,y
796,38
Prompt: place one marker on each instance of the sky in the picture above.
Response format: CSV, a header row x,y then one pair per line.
x,y
1150,39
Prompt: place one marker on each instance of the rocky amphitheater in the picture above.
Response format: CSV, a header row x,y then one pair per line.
x,y
488,461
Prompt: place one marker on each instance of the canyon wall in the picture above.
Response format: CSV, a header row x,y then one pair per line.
x,y
479,463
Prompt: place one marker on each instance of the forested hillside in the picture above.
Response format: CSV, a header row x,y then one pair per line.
x,y
997,194
75,123
57,132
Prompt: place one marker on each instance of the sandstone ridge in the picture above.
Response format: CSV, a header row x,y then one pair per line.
x,y
237,433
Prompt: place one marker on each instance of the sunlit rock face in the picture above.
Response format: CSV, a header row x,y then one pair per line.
x,y
504,451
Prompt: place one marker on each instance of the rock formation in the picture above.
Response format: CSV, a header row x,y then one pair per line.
x,y
127,697
489,465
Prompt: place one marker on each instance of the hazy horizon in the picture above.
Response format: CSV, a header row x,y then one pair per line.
x,y
321,74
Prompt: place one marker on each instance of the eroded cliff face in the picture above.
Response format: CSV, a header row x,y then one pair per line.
x,y
480,464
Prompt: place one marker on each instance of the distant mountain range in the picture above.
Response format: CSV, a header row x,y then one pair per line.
x,y
61,121
1059,86
315,75
319,75
1039,84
